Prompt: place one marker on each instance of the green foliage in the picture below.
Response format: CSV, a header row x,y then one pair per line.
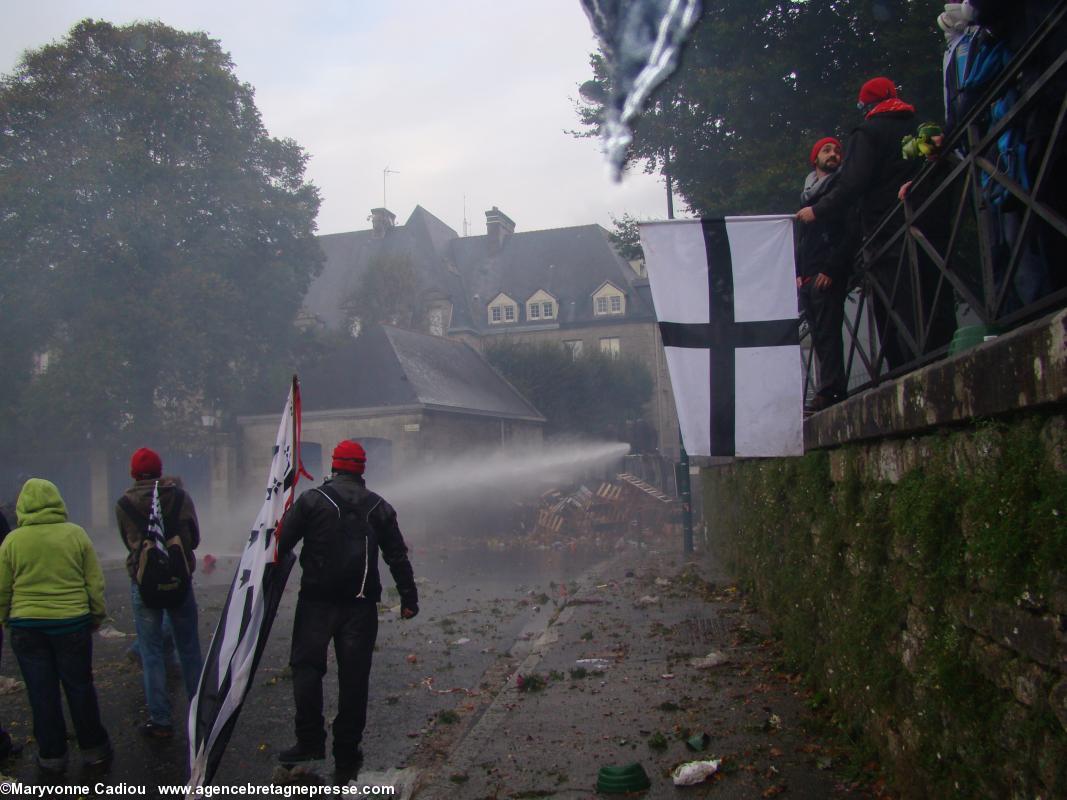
x,y
862,577
593,394
389,293
155,241
760,82
626,237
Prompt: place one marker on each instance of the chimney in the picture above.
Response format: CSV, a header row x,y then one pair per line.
x,y
498,227
381,220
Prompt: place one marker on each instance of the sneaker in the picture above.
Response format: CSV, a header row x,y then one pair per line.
x,y
301,752
154,730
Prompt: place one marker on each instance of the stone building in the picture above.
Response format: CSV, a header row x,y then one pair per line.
x,y
567,285
409,398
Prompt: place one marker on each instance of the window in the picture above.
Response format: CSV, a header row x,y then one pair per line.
x,y
547,310
616,304
534,311
610,346
575,346
502,309
608,299
495,312
509,313
602,305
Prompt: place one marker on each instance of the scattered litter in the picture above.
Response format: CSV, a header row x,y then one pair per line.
x,y
621,780
412,658
774,723
712,659
647,600
463,640
698,743
401,780
428,683
111,632
667,676
10,685
599,664
662,582
694,772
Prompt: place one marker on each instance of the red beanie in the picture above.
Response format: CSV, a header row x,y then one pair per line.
x,y
876,90
819,146
145,463
349,456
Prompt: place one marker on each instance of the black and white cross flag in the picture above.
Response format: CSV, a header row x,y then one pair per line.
x,y
249,612
726,300
155,521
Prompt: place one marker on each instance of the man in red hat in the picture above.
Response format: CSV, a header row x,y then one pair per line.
x,y
870,177
179,518
343,526
824,253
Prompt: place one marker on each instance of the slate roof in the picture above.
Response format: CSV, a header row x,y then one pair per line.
x,y
389,368
568,263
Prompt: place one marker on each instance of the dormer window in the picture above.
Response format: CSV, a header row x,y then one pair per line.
x,y
502,309
608,300
541,306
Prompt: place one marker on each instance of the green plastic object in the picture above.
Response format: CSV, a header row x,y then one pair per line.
x,y
620,780
970,336
698,743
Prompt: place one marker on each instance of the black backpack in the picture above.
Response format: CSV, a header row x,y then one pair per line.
x,y
344,562
162,576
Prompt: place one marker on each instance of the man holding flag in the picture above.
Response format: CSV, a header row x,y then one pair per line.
x,y
343,525
160,507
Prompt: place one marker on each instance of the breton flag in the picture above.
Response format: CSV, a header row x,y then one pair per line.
x,y
155,521
726,300
249,612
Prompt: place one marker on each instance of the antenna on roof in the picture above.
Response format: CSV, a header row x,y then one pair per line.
x,y
466,225
385,174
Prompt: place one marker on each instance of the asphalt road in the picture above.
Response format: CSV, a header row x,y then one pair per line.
x,y
476,606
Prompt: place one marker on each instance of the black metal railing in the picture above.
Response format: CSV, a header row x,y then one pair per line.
x,y
975,242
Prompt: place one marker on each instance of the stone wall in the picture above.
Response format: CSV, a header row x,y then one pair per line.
x,y
917,574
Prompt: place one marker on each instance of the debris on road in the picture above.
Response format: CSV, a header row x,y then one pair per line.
x,y
712,659
694,772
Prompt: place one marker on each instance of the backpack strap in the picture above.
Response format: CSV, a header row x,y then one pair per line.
x,y
341,504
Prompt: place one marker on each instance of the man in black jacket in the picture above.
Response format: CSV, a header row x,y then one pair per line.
x,y
824,259
342,525
870,176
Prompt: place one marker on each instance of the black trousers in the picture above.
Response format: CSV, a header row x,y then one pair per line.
x,y
825,311
353,630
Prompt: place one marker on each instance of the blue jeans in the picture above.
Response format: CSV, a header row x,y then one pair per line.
x,y
149,625
48,661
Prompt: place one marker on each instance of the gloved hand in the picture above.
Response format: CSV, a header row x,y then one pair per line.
x,y
409,612
956,17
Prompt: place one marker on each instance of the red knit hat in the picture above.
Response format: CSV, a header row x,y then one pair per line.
x,y
145,463
349,456
819,146
876,90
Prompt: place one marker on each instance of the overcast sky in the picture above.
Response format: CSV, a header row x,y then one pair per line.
x,y
460,97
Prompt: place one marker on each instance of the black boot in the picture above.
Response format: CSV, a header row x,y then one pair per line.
x,y
347,766
300,752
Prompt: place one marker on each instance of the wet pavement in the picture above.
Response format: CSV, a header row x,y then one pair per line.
x,y
605,643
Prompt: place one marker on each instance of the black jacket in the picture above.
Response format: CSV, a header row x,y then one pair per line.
x,y
828,244
313,518
873,170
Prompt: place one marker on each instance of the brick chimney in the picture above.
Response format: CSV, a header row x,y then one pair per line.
x,y
381,220
498,227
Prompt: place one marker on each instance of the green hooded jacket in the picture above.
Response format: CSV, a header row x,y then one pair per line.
x,y
48,567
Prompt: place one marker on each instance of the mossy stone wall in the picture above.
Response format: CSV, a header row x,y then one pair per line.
x,y
921,583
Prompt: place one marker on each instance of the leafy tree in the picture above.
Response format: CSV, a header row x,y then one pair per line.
x,y
155,241
389,293
592,394
760,81
626,237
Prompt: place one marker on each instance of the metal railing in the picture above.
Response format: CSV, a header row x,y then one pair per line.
x,y
973,238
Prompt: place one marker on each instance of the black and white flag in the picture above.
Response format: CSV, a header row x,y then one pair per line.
x,y
155,521
249,612
726,300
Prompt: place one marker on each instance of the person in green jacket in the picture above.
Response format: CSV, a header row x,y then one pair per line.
x,y
52,599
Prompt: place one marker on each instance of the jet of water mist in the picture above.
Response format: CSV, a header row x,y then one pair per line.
x,y
515,473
